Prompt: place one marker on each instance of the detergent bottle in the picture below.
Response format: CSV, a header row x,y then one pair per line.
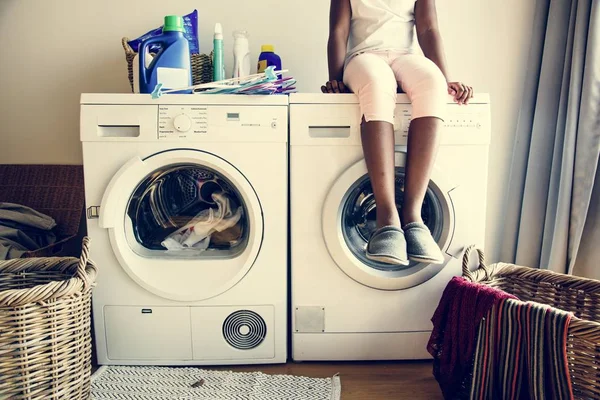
x,y
241,54
267,58
171,66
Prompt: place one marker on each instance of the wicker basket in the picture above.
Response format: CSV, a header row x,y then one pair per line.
x,y
580,296
202,71
45,338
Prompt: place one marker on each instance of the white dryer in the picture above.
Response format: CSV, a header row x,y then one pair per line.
x,y
344,306
210,174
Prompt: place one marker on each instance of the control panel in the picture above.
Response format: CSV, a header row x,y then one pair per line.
x,y
465,120
182,120
221,122
337,124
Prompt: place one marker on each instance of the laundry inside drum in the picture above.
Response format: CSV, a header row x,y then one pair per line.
x,y
189,210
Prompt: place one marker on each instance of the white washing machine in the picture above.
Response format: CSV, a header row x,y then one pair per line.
x,y
344,306
210,174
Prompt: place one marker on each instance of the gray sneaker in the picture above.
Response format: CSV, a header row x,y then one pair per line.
x,y
420,245
387,245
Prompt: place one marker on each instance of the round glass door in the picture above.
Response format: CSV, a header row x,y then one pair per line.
x,y
184,224
359,217
187,210
349,221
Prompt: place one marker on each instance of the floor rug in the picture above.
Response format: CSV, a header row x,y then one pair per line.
x,y
158,383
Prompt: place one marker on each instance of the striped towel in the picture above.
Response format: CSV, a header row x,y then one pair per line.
x,y
521,353
456,322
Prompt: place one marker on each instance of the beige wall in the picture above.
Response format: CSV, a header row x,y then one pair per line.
x,y
53,50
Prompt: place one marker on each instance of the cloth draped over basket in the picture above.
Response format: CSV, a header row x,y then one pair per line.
x,y
496,337
54,190
455,326
521,353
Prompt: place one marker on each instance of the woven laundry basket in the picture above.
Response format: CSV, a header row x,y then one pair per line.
x,y
202,70
580,296
45,338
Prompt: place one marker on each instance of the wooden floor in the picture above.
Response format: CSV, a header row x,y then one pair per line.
x,y
364,381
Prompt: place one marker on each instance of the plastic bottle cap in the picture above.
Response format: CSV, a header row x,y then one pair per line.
x,y
268,48
173,23
218,31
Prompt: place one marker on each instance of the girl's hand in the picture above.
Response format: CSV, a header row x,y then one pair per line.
x,y
461,92
334,87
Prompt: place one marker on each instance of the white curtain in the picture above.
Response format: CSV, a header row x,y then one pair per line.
x,y
549,217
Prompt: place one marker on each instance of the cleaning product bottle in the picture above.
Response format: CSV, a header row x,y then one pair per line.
x,y
218,66
171,66
135,66
267,58
241,54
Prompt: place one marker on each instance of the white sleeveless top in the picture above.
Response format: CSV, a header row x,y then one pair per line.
x,y
381,25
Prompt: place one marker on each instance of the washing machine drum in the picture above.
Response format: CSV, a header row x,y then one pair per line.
x,y
172,199
359,216
349,222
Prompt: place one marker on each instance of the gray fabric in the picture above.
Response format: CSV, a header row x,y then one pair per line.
x,y
388,245
420,245
558,138
587,258
23,229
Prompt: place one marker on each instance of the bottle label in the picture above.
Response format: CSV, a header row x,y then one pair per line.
x,y
172,78
262,66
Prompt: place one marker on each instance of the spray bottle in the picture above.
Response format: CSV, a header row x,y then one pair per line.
x,y
218,66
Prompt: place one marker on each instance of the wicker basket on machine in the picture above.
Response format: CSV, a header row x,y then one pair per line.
x,y
201,65
45,337
580,296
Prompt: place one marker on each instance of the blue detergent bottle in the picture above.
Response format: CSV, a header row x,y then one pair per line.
x,y
171,66
267,58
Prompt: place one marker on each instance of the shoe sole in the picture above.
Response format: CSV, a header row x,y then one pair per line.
x,y
386,259
425,260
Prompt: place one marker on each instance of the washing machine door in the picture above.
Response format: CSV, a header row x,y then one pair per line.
x,y
184,224
349,220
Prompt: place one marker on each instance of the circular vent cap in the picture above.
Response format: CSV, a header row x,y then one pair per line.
x,y
244,330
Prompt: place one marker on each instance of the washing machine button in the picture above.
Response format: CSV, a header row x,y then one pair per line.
x,y
182,123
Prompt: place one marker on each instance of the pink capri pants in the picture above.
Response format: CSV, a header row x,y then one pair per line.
x,y
374,77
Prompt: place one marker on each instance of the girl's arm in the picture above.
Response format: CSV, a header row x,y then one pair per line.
x,y
428,33
340,14
430,41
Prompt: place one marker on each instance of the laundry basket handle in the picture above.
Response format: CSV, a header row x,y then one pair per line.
x,y
467,258
83,261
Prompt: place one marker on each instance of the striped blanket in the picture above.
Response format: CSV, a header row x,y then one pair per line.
x,y
521,353
454,336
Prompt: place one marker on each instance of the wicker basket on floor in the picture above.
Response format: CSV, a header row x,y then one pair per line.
x,y
580,296
201,65
45,339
